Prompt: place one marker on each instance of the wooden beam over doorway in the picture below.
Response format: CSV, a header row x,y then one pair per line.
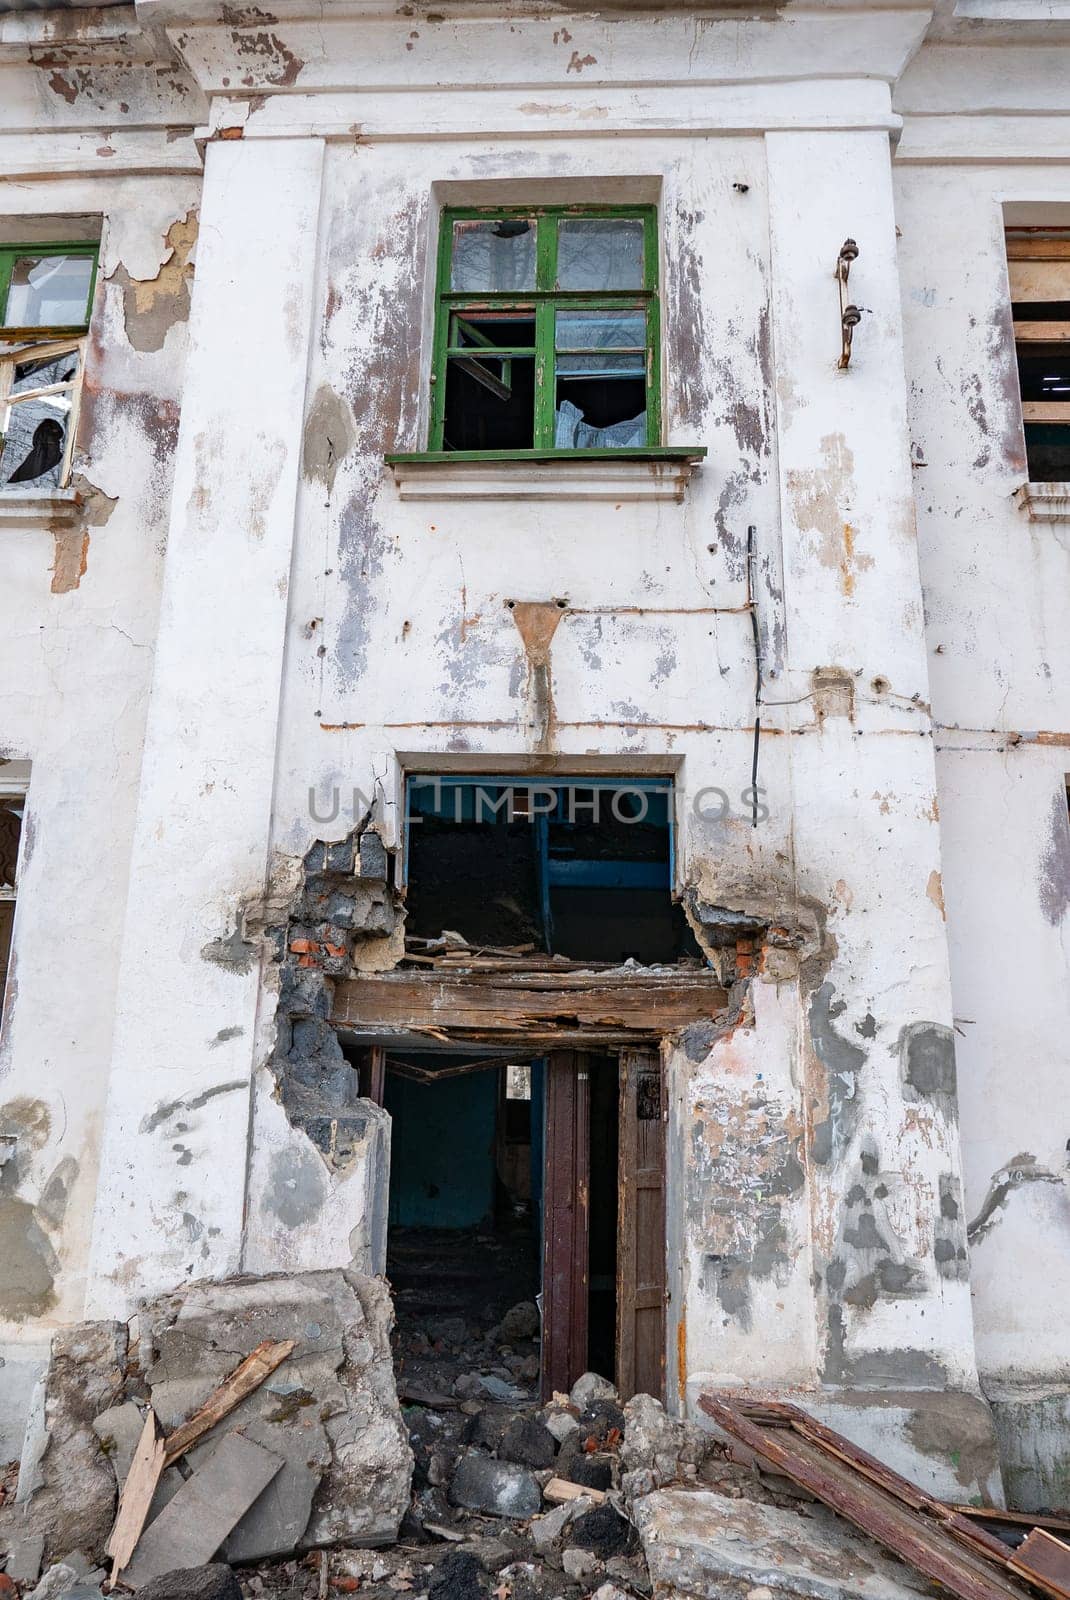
x,y
618,1006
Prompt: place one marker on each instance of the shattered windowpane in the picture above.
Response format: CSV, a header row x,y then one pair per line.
x,y
49,291
34,443
44,372
493,256
600,253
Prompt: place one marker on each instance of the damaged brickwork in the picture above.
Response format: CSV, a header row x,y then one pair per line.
x,y
346,916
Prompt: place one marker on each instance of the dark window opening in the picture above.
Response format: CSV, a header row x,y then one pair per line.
x,y
1039,268
11,809
576,868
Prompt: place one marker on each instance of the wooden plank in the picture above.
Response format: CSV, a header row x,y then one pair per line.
x,y
1045,1561
1020,247
1046,411
640,1353
927,1544
1014,1519
136,1498
559,1491
377,1074
539,1004
246,1377
565,1221
835,1445
1042,332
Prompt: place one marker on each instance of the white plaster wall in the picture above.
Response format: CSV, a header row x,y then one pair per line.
x,y
996,588
74,676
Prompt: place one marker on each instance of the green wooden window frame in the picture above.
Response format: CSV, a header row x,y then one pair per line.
x,y
10,253
544,300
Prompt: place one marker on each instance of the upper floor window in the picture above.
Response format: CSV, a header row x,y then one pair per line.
x,y
46,292
547,331
1038,261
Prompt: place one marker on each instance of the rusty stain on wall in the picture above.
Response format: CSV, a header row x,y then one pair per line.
x,y
536,622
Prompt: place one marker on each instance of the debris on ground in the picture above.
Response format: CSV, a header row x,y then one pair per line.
x,y
265,1440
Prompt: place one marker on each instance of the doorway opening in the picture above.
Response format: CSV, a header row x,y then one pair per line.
x,y
526,1240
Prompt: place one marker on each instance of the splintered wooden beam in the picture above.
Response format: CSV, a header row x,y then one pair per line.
x,y
611,1007
246,1377
135,1500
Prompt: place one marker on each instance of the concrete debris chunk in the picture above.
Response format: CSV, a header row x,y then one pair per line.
x,y
697,1543
591,1387
330,1410
657,1443
119,1429
194,1524
275,1523
24,1557
59,1580
497,1487
520,1321
68,1485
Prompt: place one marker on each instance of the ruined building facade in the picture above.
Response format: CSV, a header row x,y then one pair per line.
x,y
415,410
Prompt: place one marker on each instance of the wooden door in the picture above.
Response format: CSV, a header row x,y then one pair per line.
x,y
565,1209
641,1278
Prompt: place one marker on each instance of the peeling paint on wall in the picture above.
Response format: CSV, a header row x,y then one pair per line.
x,y
151,306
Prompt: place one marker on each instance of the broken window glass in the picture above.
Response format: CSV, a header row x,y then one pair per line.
x,y
49,291
601,380
40,395
547,331
494,256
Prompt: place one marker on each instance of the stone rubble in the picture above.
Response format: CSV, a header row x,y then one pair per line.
x,y
438,1498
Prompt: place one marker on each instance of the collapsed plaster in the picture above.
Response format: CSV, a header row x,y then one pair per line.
x,y
152,305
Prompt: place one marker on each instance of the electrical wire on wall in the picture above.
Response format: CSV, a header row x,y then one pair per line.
x,y
755,631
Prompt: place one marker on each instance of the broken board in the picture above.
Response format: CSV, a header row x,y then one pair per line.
x,y
934,1538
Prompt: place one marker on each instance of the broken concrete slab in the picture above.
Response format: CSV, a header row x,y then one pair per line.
x,y
24,1558
191,1528
68,1494
275,1523
482,1484
119,1429
696,1541
335,1394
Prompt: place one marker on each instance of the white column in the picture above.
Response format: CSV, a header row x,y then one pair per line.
x,y
893,1304
173,1169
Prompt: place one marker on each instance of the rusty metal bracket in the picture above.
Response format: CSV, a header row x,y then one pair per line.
x,y
850,315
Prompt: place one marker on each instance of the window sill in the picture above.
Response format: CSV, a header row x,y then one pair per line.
x,y
660,473
1044,502
33,508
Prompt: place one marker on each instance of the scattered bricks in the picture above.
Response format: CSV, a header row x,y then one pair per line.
x,y
303,947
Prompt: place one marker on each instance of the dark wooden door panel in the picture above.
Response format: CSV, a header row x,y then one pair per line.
x,y
565,1209
641,1275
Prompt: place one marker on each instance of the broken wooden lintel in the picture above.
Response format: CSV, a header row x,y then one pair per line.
x,y
616,1007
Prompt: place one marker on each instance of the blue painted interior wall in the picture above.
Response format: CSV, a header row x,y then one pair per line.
x,y
442,1150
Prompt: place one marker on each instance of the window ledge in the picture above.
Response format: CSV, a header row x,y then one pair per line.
x,y
1044,502
31,508
653,474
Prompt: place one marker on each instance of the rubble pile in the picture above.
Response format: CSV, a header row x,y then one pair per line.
x,y
291,1464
